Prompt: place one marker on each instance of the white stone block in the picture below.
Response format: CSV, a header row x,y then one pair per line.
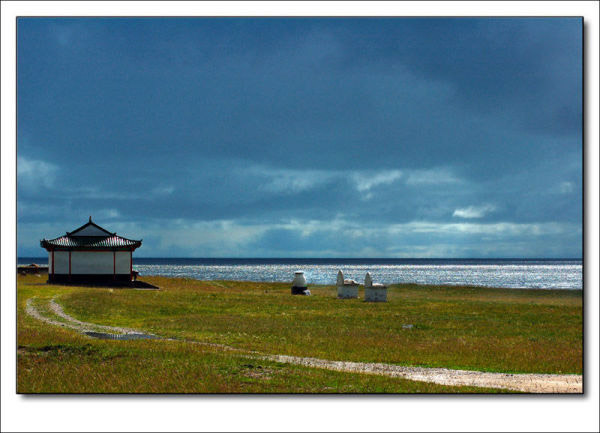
x,y
346,289
374,292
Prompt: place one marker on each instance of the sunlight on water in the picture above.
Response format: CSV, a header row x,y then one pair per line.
x,y
511,273
526,275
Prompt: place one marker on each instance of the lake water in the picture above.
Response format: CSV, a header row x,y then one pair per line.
x,y
510,273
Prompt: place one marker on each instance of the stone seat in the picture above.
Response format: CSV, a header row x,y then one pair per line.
x,y
346,289
374,292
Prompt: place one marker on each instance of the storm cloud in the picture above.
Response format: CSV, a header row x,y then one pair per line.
x,y
298,137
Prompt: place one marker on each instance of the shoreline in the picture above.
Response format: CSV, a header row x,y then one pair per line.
x,y
43,271
389,285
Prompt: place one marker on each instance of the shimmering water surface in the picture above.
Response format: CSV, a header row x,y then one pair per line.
x,y
543,274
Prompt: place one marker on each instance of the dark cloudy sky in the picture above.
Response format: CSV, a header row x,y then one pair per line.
x,y
396,137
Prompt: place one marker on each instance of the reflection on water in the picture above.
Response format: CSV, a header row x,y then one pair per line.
x,y
526,275
511,273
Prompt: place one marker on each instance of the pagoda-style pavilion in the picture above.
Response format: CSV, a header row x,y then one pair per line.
x,y
90,254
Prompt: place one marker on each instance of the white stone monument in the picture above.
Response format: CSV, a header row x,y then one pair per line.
x,y
299,284
346,289
374,292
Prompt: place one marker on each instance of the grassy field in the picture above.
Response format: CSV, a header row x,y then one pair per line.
x,y
456,327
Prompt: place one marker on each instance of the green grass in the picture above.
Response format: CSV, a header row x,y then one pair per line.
x,y
456,327
174,367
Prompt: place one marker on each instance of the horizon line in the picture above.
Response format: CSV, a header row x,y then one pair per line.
x,y
343,258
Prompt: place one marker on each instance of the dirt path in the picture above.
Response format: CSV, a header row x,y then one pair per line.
x,y
534,383
33,312
90,329
57,309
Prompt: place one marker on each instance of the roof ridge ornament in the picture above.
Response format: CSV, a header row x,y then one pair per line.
x,y
90,218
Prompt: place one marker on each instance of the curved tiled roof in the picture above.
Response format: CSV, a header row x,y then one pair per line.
x,y
91,242
104,241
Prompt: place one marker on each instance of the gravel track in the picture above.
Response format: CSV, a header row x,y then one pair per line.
x,y
33,312
90,329
58,310
531,383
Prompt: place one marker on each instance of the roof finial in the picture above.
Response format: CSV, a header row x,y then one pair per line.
x,y
90,218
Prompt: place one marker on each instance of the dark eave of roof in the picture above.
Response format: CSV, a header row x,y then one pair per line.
x,y
70,241
90,242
